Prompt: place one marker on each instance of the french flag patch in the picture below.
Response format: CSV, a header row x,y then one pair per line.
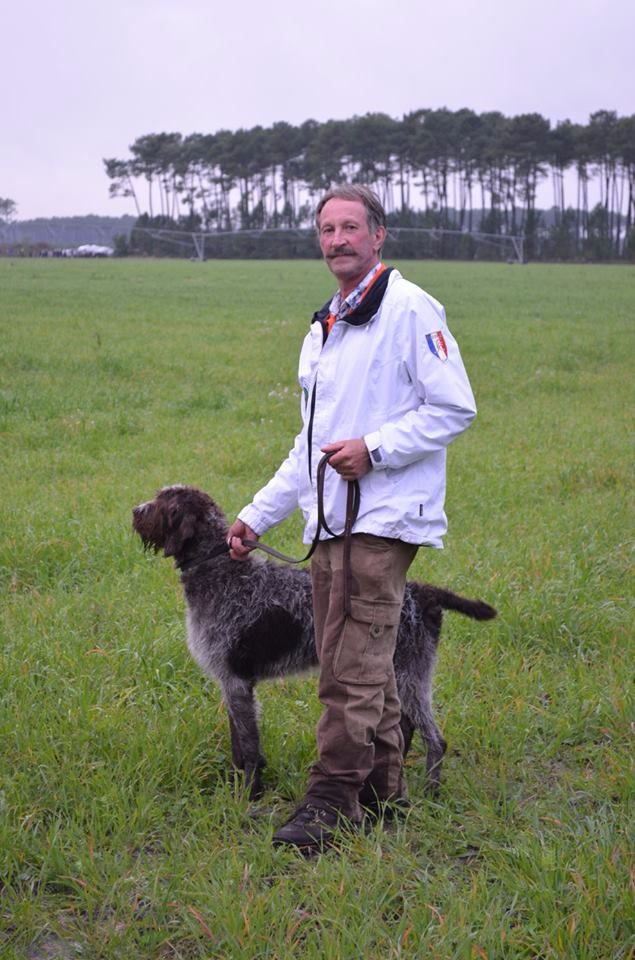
x,y
437,346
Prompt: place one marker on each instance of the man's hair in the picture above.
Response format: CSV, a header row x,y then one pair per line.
x,y
375,213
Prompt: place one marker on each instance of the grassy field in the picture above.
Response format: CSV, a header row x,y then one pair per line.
x,y
121,833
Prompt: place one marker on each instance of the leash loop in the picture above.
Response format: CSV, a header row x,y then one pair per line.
x,y
353,498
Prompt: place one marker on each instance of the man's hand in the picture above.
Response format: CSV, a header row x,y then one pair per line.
x,y
350,459
238,532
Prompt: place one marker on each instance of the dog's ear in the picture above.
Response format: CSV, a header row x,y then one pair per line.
x,y
181,528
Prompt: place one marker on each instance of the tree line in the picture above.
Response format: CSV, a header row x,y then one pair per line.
x,y
442,169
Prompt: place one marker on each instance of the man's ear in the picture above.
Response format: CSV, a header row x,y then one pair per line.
x,y
380,239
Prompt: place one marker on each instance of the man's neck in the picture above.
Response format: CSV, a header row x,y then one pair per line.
x,y
345,288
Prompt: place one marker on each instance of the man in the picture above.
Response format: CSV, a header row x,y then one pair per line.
x,y
384,391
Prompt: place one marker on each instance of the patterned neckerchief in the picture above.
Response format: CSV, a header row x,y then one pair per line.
x,y
341,307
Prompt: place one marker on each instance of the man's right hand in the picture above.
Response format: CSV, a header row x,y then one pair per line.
x,y
238,532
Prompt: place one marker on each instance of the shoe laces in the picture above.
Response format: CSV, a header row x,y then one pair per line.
x,y
309,813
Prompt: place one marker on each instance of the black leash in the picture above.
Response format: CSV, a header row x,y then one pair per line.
x,y
352,510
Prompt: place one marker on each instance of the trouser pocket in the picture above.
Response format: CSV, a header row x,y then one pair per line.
x,y
365,648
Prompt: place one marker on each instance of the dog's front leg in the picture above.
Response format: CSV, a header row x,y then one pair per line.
x,y
245,737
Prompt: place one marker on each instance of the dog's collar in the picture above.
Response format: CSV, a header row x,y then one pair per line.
x,y
217,551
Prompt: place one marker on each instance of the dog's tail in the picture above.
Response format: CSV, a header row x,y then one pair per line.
x,y
476,609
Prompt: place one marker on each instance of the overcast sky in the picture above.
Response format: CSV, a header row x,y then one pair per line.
x,y
82,79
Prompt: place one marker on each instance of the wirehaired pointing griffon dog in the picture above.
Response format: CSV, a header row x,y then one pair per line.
x,y
251,621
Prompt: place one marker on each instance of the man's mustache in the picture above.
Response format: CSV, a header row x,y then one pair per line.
x,y
342,252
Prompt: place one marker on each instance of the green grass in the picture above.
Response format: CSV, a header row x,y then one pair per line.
x,y
121,834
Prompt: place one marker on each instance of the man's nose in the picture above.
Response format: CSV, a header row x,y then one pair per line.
x,y
338,239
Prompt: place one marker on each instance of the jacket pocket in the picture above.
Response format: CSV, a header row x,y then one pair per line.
x,y
365,649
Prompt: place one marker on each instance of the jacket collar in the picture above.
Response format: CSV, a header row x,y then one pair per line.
x,y
365,309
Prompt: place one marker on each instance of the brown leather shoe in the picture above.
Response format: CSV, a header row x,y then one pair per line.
x,y
311,828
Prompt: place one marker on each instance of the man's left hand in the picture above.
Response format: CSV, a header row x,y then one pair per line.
x,y
350,458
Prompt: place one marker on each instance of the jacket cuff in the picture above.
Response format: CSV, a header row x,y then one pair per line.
x,y
254,519
375,452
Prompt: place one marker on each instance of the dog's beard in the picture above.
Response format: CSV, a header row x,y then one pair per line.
x,y
148,524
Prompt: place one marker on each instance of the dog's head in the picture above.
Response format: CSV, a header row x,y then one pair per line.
x,y
177,519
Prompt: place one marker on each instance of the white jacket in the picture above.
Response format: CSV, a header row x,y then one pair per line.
x,y
397,380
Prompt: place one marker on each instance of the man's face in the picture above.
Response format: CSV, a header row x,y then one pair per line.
x,y
349,248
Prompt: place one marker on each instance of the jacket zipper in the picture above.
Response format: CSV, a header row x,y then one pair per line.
x,y
309,432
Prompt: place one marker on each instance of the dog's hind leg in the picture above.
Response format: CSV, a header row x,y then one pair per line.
x,y
436,751
417,714
245,737
407,731
434,741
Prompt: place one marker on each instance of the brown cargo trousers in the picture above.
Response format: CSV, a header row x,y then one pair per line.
x,y
359,739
